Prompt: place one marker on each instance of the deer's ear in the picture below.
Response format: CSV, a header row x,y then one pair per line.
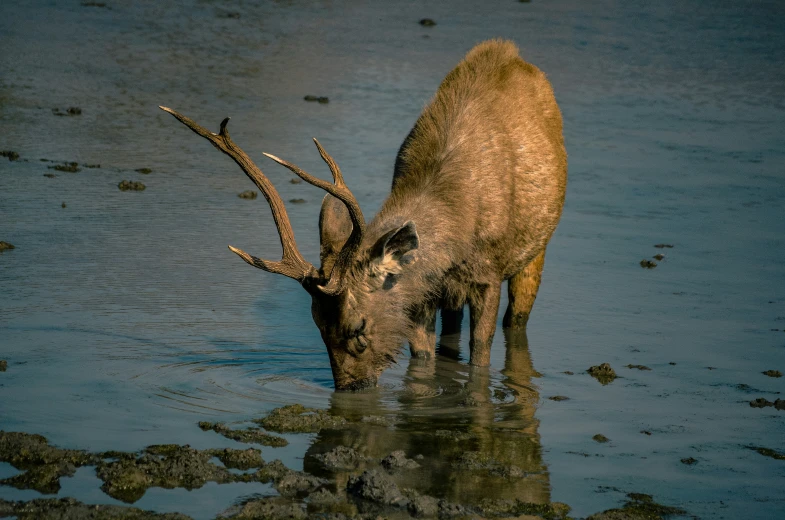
x,y
335,226
388,254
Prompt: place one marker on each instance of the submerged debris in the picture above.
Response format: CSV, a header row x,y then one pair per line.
x,y
639,367
297,418
559,398
6,245
3,365
602,373
689,461
319,99
144,171
601,438
660,246
12,155
427,22
248,194
250,435
772,373
131,185
297,201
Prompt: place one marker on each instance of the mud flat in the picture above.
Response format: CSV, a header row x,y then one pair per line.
x,y
350,484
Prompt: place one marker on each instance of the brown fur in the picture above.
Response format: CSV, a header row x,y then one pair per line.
x,y
477,191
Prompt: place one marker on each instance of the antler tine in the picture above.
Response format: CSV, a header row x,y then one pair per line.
x,y
340,191
292,263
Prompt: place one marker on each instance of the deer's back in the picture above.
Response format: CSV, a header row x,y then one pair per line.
x,y
487,154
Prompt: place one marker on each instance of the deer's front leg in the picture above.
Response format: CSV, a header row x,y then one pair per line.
x,y
422,340
484,307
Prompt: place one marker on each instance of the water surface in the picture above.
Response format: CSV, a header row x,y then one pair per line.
x,y
125,320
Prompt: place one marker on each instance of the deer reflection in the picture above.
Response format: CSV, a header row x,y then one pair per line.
x,y
472,437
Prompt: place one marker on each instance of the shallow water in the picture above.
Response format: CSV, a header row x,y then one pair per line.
x,y
125,320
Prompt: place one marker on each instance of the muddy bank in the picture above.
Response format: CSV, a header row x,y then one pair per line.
x,y
349,483
70,509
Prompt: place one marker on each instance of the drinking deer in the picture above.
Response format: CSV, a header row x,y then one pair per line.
x,y
477,192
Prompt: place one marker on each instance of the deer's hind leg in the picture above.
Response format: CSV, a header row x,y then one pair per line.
x,y
522,290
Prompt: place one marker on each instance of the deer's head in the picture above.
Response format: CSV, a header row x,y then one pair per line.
x,y
356,296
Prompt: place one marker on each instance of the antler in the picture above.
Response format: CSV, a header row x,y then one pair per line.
x,y
292,263
338,190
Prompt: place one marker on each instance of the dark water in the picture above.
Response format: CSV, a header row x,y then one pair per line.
x,y
125,320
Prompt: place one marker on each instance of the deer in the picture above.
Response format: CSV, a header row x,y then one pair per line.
x,y
477,191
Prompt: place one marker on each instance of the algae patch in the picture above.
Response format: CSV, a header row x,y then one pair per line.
x,y
297,418
249,435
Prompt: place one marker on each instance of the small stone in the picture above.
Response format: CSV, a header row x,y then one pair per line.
x,y
50,175
319,99
248,194
559,398
639,367
376,487
568,372
427,22
689,461
297,201
772,373
12,156
646,432
74,111
658,256
601,438
63,205
295,181
3,365
6,245
145,171
660,246
648,264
